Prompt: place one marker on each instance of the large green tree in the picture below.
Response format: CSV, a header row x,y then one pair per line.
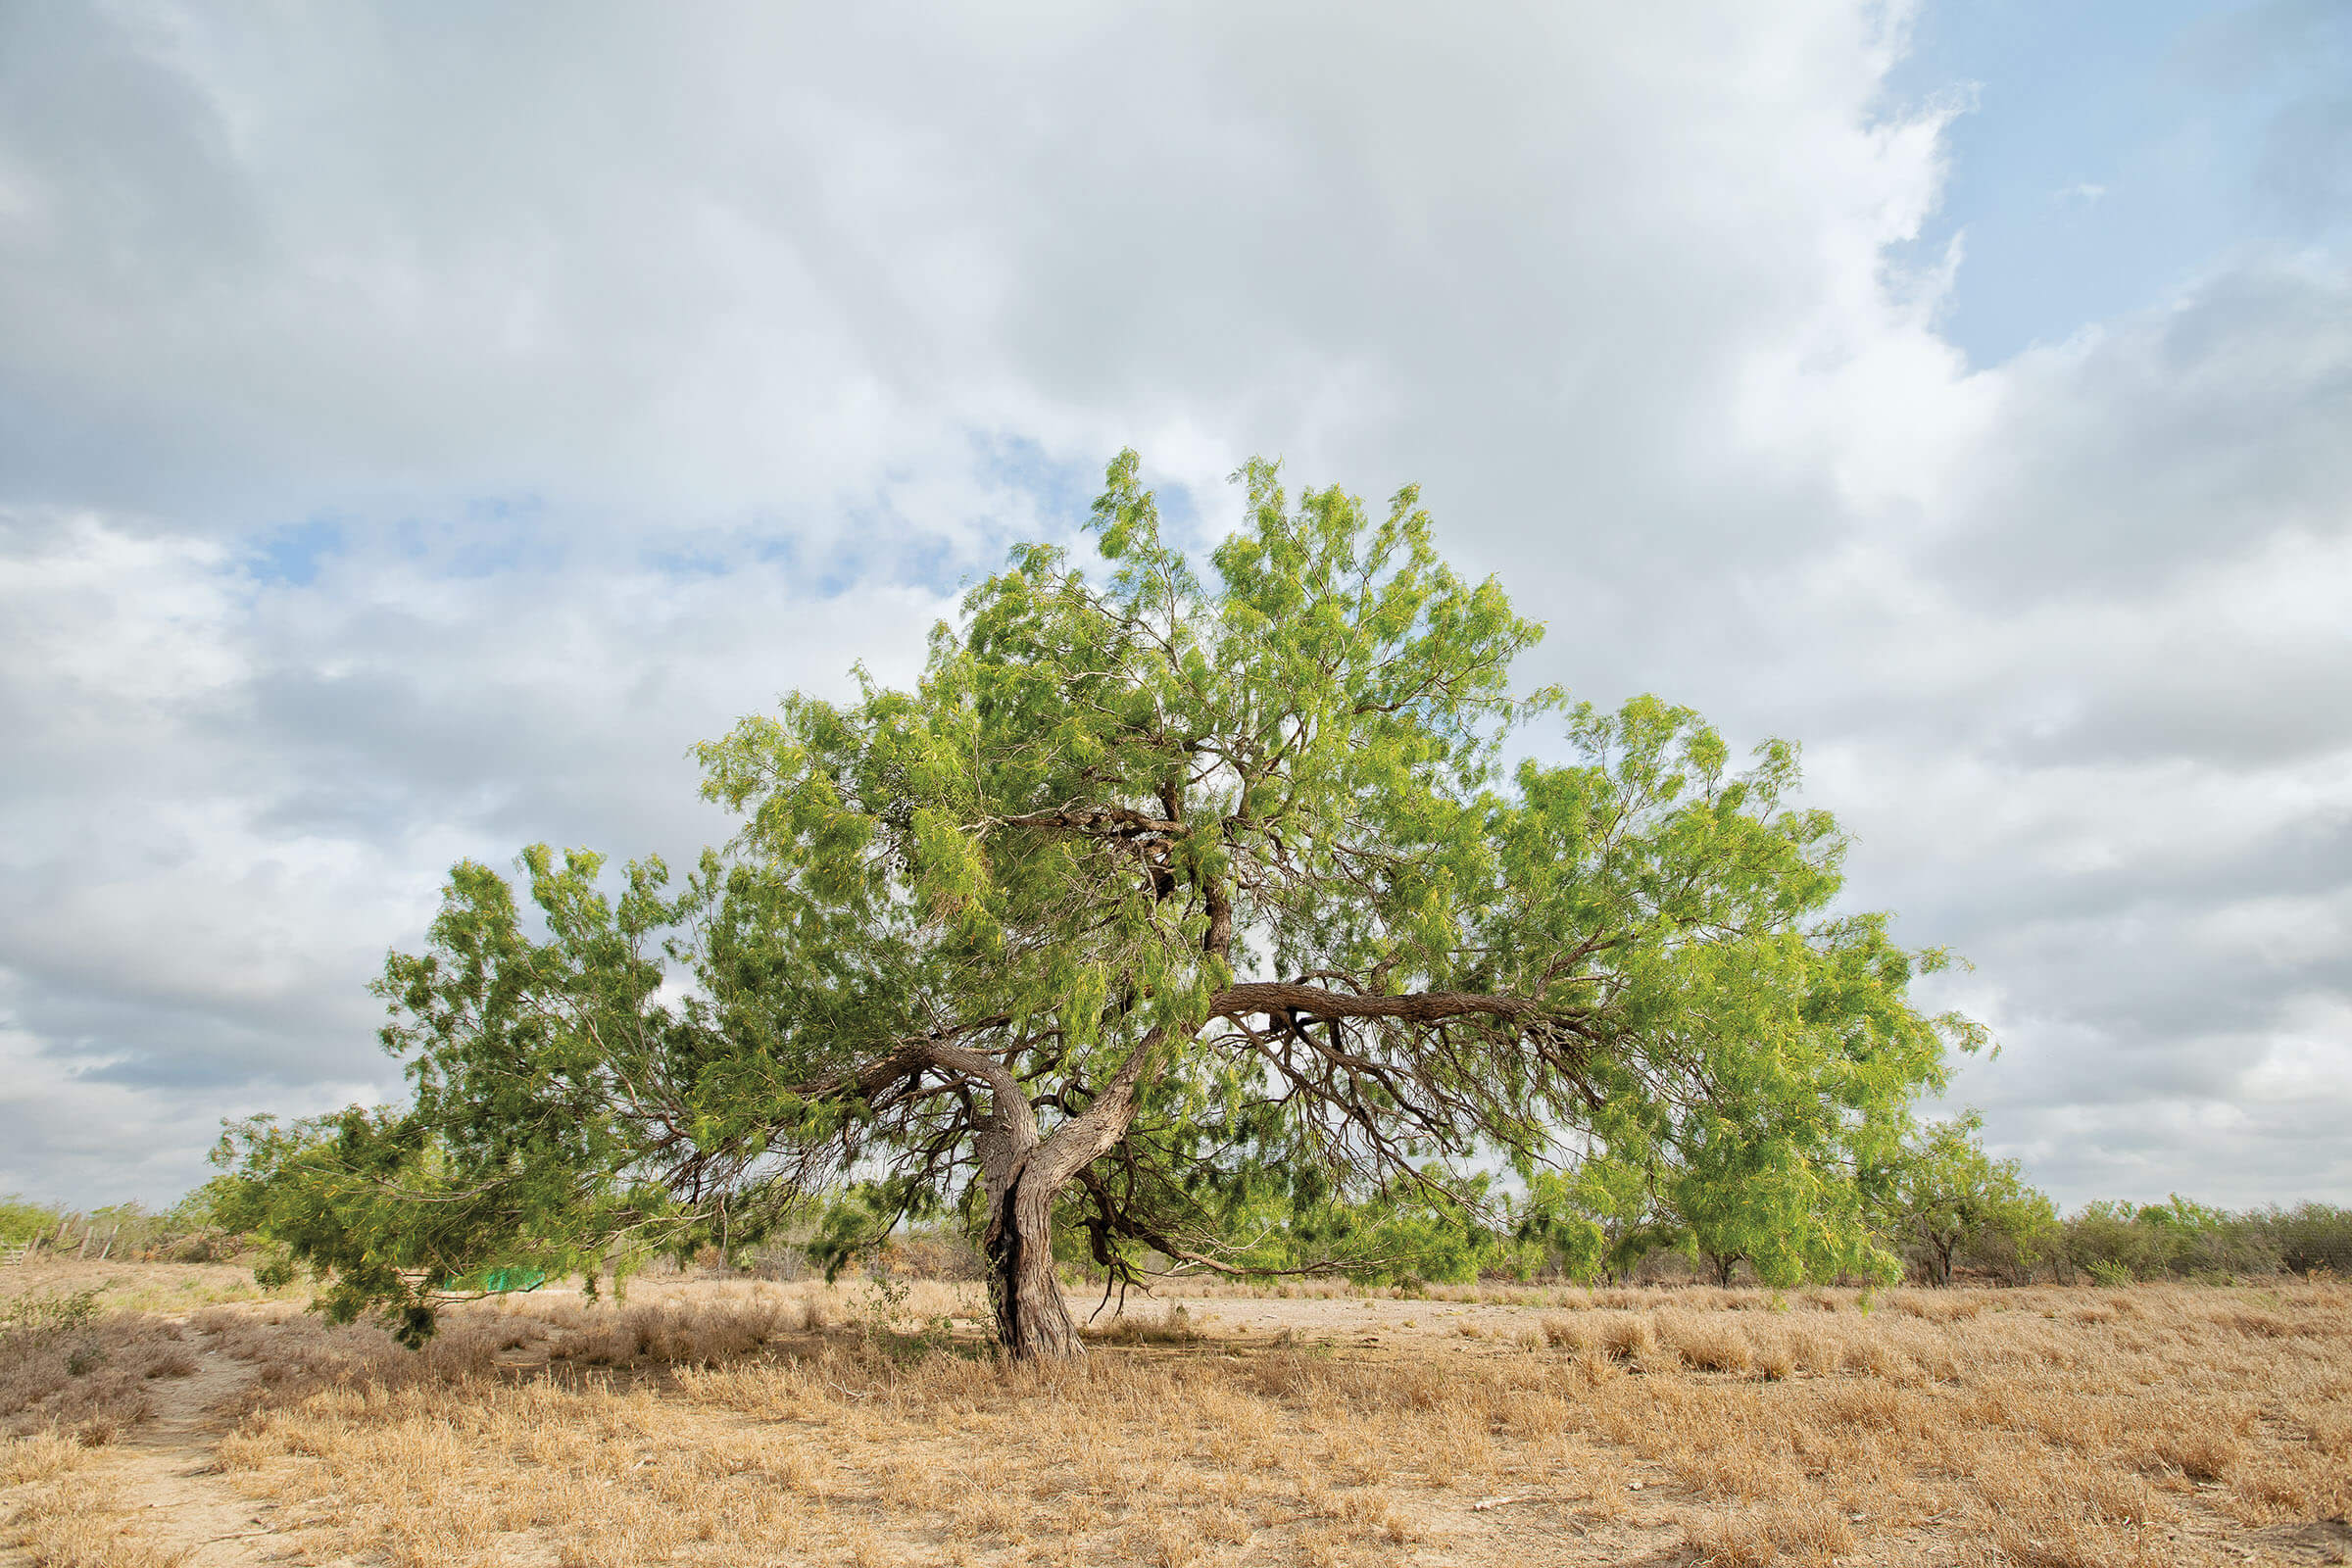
x,y
1161,910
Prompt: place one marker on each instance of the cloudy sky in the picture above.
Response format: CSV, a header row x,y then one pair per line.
x,y
419,425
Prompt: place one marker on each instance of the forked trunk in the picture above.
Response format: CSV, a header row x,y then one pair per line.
x,y
1023,1171
1033,1321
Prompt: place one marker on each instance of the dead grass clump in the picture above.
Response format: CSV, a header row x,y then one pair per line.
x,y
1862,1403
1628,1337
1816,1351
1709,1344
1875,1357
2202,1454
1764,1534
690,1336
170,1364
1938,1306
2066,1517
42,1456
2262,1325
1174,1325
73,1525
1570,1334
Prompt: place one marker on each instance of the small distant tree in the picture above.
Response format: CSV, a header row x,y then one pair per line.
x,y
1737,1198
1598,1221
1156,907
1945,1195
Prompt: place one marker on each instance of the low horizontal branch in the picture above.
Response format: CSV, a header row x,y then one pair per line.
x,y
1419,1006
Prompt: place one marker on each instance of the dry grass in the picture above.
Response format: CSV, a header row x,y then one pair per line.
x,y
745,1423
1172,1325
163,1288
63,1367
69,1525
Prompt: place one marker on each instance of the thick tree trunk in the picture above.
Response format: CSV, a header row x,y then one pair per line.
x,y
1022,1171
1033,1321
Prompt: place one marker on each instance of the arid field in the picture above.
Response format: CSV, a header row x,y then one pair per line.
x,y
192,1419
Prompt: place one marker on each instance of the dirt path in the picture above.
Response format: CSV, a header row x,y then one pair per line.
x,y
169,1475
158,1488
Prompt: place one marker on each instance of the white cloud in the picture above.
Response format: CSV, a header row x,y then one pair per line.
x,y
419,433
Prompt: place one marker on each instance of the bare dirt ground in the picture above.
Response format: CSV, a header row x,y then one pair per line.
x,y
725,1422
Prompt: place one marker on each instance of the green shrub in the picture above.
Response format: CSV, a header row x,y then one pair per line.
x,y
2312,1237
48,1315
21,1221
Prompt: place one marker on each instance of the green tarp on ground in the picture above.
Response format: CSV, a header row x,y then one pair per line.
x,y
499,1279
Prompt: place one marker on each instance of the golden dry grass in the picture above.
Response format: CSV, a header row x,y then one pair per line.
x,y
740,1423
128,1286
69,1525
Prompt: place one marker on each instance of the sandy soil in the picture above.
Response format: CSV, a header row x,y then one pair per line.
x,y
171,1496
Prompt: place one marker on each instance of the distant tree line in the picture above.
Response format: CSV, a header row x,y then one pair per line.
x,y
1946,1207
185,1232
1948,1213
1942,1210
2118,1243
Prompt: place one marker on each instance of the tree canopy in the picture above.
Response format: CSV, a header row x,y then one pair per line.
x,y
1175,913
1946,1195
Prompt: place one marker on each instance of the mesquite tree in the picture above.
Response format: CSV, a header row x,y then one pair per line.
x,y
1162,912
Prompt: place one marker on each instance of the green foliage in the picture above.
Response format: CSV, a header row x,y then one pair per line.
x,y
1447,1231
375,1204
880,1310
1945,1195
42,1315
1601,1219
2311,1237
2178,1238
1204,900
21,1221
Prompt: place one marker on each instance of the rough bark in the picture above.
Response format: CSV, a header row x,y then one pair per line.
x,y
1022,1173
1033,1322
